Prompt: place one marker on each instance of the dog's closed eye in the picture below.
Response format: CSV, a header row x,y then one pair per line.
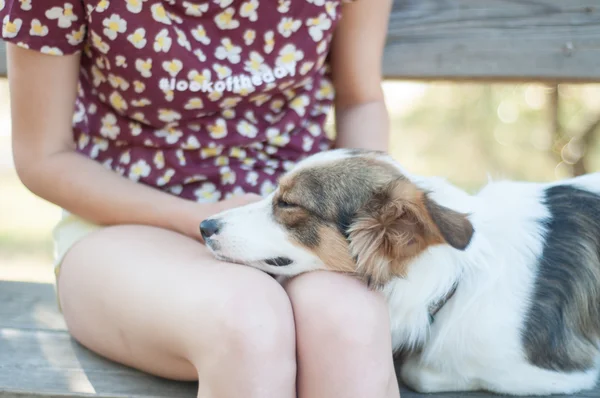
x,y
283,204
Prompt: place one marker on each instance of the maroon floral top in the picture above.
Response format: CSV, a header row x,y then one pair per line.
x,y
203,99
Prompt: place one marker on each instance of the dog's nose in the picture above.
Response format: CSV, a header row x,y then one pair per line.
x,y
209,228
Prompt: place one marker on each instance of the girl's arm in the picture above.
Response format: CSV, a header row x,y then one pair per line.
x,y
362,119
42,94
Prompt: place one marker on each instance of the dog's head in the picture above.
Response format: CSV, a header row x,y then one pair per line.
x,y
349,211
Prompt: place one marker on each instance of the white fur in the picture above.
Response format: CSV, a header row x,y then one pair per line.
x,y
474,342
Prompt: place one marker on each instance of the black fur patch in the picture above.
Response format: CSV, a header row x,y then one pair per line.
x,y
562,328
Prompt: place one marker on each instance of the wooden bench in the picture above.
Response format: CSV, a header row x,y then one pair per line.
x,y
458,40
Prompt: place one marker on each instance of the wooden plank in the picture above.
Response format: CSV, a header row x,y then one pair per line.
x,y
29,306
494,40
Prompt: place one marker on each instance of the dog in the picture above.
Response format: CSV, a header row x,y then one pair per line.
x,y
497,291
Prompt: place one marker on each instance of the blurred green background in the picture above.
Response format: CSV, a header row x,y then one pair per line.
x,y
467,132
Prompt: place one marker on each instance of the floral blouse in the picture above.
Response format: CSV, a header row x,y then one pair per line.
x,y
202,99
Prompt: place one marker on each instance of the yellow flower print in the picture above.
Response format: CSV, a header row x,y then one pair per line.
x,y
171,135
286,85
135,6
215,96
194,76
218,130
299,104
10,29
226,21
113,26
135,128
322,47
92,109
289,94
118,82
246,129
330,7
283,6
117,101
125,157
98,144
228,113
21,44
255,63
249,36
194,127
172,67
326,91
182,39
287,26
267,188
249,115
168,115
222,161
140,102
64,15
223,71
200,54
100,44
228,51
139,169
37,29
121,61
175,189
200,35
51,50
160,14
319,3
159,159
76,36
207,193
227,175
260,99
277,139
25,5
289,56
269,42
277,105
195,10
230,102
252,178
223,3
248,162
138,38
83,141
248,10
109,128
237,153
194,103
102,5
181,157
144,67
174,17
211,150
306,67
316,26
166,178
169,95
139,116
162,41
191,143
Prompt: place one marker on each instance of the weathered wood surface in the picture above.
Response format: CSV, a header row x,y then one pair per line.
x,y
494,40
38,358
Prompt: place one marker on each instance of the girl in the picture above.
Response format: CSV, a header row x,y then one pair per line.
x,y
141,118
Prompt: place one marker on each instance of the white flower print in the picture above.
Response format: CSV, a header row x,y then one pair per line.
x,y
172,67
138,103
176,189
228,51
171,135
246,129
164,180
287,26
330,7
160,14
237,153
194,76
121,61
248,10
223,3
25,5
249,115
306,67
211,150
228,113
174,17
64,15
181,157
76,37
326,91
230,102
249,36
215,95
83,141
288,165
227,175
237,191
138,38
319,3
168,115
10,29
317,26
182,39
37,29
307,143
207,193
255,64
276,138
102,5
125,157
200,35
195,10
225,20
191,143
283,6
277,105
51,50
159,159
118,82
200,54
218,130
117,101
98,144
109,128
139,169
144,67
194,103
260,99
299,104
252,178
269,42
100,44
322,47
162,41
135,6
289,55
135,128
267,188
223,71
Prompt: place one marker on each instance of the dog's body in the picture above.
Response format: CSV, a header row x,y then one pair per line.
x,y
515,269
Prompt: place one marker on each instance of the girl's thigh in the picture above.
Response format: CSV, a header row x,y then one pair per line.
x,y
157,301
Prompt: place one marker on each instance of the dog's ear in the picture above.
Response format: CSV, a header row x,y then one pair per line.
x,y
398,223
